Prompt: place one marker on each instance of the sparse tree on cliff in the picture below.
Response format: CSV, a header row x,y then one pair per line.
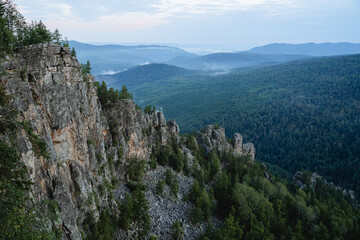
x,y
86,68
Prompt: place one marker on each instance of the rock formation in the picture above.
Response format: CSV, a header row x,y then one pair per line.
x,y
85,139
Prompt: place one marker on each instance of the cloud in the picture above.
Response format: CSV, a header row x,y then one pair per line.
x,y
65,10
111,23
129,21
215,6
154,18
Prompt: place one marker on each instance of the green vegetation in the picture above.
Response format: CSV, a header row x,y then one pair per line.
x,y
17,219
160,187
147,73
203,204
178,231
174,188
153,162
298,115
15,32
133,215
136,169
85,68
105,228
171,155
111,96
134,210
39,145
254,207
73,52
169,177
163,154
149,109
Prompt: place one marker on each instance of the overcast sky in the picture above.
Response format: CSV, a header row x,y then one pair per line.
x,y
237,23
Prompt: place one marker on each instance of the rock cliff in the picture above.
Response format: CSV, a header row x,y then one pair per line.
x,y
89,145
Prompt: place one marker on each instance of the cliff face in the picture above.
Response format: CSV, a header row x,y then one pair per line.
x,y
63,110
83,140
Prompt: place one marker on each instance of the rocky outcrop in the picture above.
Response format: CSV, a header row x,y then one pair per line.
x,y
304,179
84,140
212,137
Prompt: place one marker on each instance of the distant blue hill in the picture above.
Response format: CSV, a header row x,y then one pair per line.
x,y
114,58
234,60
314,49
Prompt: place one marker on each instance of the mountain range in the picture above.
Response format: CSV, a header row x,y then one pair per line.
x,y
81,161
313,49
112,58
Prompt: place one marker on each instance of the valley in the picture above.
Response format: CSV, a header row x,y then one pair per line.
x,y
300,115
145,141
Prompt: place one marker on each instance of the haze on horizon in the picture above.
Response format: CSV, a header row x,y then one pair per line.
x,y
240,24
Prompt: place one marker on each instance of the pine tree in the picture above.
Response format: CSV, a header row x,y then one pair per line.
x,y
73,52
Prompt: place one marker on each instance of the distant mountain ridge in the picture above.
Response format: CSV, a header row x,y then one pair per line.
x,y
117,58
314,49
234,60
112,58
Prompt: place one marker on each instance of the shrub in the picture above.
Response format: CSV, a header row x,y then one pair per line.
x,y
105,228
174,188
196,215
149,109
160,187
163,155
169,177
178,230
136,169
203,204
86,68
134,209
176,161
120,152
132,186
153,162
191,143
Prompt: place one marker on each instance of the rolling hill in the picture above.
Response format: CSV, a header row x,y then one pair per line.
x,y
226,61
143,73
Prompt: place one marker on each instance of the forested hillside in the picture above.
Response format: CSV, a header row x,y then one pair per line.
x,y
81,161
299,115
143,73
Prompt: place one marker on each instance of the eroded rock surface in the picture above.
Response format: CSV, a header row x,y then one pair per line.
x,y
212,137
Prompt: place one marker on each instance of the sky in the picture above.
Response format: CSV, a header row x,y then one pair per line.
x,y
233,24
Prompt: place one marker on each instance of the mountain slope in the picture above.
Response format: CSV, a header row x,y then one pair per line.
x,y
144,73
233,60
314,49
100,168
285,110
